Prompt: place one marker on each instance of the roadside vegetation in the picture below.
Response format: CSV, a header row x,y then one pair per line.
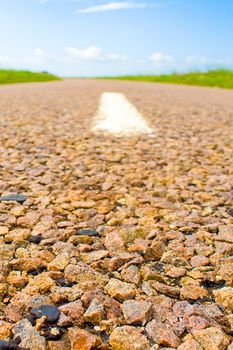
x,y
23,76
222,78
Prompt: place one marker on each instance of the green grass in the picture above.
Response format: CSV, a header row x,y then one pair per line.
x,y
23,76
222,78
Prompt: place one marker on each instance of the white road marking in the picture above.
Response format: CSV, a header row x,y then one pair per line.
x,y
118,116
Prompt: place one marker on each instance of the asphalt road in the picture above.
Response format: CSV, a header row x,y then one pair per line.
x,y
156,271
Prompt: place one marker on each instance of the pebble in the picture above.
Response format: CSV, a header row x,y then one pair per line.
x,y
224,296
87,232
74,311
95,312
162,334
51,312
63,282
20,198
137,312
128,338
120,290
4,345
35,239
193,292
230,211
30,338
211,338
82,340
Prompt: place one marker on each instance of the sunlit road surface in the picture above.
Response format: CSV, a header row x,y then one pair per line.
x,y
124,219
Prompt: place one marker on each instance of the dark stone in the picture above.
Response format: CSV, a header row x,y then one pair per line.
x,y
52,333
63,282
205,300
20,198
31,319
36,271
13,345
212,284
87,232
4,345
230,211
51,312
158,266
35,239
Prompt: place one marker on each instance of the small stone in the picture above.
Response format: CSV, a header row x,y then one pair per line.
x,y
60,262
162,335
225,270
3,230
87,232
137,312
63,344
211,338
166,289
83,204
225,233
4,345
193,292
20,198
199,260
17,210
63,224
120,290
190,344
224,296
114,242
128,338
64,321
74,311
5,329
175,272
95,312
131,274
35,239
30,338
230,211
52,332
82,340
91,257
63,282
42,283
195,323
17,235
155,252
51,312
17,279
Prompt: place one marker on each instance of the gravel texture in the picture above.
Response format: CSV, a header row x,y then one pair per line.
x,y
122,243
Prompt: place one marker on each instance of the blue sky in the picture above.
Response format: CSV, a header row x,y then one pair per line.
x,y
110,37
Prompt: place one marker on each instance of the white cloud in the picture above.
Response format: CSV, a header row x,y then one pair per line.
x,y
112,6
37,58
4,60
160,58
202,60
90,53
116,57
40,1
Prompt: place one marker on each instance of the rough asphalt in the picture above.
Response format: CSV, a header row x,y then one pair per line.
x,y
122,243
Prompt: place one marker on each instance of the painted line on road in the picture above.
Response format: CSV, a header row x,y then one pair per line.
x,y
119,117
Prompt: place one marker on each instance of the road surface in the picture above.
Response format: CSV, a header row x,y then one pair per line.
x,y
121,219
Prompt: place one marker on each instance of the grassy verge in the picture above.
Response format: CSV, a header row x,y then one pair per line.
x,y
21,76
216,78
